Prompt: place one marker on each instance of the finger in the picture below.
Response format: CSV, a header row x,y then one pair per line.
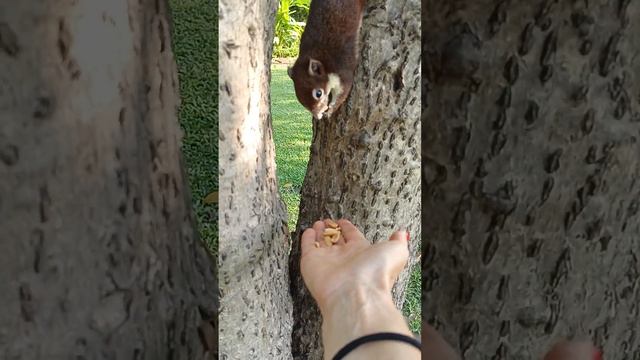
x,y
400,235
318,227
397,252
350,232
307,243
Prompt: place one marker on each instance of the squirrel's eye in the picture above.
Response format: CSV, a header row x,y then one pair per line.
x,y
317,93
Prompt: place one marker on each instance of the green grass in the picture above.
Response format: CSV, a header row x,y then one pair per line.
x,y
292,137
195,46
292,133
412,304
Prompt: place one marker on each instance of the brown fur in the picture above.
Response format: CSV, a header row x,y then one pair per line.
x,y
331,37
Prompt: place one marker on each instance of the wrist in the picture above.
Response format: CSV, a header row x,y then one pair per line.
x,y
353,297
357,311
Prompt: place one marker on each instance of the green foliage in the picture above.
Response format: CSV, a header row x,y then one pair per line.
x,y
289,27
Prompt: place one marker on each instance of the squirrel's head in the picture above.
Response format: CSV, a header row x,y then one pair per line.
x,y
318,91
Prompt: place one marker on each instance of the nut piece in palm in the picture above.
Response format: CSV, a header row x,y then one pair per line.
x,y
332,224
332,233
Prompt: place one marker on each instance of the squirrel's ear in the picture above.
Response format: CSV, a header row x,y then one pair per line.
x,y
290,72
315,68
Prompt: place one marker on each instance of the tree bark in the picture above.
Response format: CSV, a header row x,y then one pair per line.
x,y
530,184
100,258
255,314
365,161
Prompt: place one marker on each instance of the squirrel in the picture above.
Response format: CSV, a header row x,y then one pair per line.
x,y
323,72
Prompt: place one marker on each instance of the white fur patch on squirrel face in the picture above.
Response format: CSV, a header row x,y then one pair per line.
x,y
335,87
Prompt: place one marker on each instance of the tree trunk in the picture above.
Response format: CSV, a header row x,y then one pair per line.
x,y
531,192
255,315
100,258
365,161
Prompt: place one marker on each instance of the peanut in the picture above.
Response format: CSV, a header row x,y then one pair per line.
x,y
327,240
332,233
332,224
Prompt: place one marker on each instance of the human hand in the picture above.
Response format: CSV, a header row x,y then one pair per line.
x,y
351,281
330,271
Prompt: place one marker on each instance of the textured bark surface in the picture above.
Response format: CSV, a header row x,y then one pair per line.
x,y
100,259
255,314
365,161
531,180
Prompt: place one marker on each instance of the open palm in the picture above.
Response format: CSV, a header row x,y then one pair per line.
x,y
327,270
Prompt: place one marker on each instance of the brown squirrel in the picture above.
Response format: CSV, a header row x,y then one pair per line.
x,y
323,73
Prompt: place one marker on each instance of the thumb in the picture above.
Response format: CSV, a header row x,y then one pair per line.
x,y
400,235
397,252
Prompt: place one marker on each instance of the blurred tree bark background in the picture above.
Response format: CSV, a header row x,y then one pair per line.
x,y
530,184
100,257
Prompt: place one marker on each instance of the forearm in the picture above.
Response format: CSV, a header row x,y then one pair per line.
x,y
363,311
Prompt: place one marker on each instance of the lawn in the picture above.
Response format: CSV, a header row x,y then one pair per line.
x,y
292,132
195,44
292,137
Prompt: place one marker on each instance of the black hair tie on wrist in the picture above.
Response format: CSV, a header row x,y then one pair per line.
x,y
376,337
